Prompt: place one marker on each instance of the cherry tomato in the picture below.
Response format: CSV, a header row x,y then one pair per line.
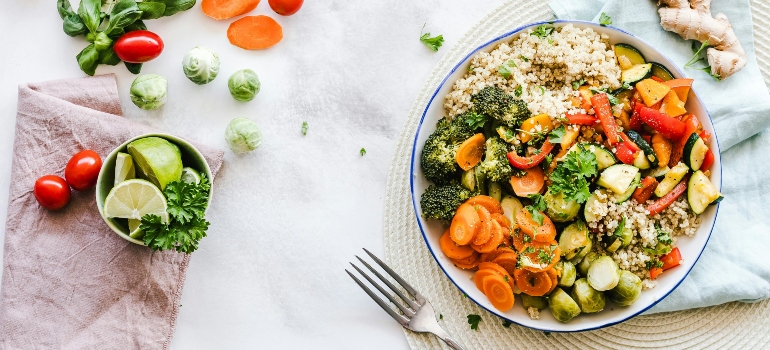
x,y
285,7
138,46
52,192
83,169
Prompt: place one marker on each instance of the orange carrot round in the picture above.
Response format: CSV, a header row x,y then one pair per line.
x,y
468,263
538,256
469,153
486,228
452,250
494,241
535,284
508,261
519,240
554,278
544,232
499,292
499,269
487,202
530,183
465,224
255,32
487,257
502,220
224,9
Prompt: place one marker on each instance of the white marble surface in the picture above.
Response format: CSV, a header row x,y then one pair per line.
x,y
287,218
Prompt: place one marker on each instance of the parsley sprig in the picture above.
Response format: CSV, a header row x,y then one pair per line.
x,y
542,31
432,43
475,120
474,320
571,177
605,20
537,207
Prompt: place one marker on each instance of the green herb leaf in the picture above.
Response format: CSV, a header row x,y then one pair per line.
x,y
578,83
108,57
557,135
186,201
362,151
90,13
605,20
620,228
134,68
123,13
663,237
571,176
102,42
474,320
518,91
151,10
537,207
542,31
138,25
524,58
73,25
88,59
506,324
470,69
697,56
476,120
542,90
175,6
504,71
304,128
432,43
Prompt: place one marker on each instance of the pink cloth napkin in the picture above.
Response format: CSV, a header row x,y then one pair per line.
x,y
69,282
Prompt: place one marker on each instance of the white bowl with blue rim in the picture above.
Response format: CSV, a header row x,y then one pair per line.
x,y
690,247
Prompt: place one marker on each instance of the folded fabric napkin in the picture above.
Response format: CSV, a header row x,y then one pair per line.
x,y
734,265
69,282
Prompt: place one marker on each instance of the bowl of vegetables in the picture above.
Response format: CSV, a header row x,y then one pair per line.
x,y
566,176
154,190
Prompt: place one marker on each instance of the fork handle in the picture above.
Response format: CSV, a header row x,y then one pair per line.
x,y
443,335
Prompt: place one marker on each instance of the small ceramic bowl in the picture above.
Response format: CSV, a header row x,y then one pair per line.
x,y
191,157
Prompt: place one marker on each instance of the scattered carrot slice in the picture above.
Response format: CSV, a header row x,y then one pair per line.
x,y
452,250
493,242
224,9
519,240
487,202
488,257
530,183
465,224
469,153
255,32
535,284
486,228
538,256
508,261
541,233
468,263
500,294
499,269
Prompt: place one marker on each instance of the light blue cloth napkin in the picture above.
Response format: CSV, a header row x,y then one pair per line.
x,y
736,262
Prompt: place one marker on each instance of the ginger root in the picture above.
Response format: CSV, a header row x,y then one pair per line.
x,y
692,20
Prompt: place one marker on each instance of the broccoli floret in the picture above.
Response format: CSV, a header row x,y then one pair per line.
x,y
441,202
438,156
495,103
496,166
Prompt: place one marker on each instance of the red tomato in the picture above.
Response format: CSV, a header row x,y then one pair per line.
x,y
138,46
285,7
52,192
83,169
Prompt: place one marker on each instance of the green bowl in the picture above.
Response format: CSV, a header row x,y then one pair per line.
x,y
191,157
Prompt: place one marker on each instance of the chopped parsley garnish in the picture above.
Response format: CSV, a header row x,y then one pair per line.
x,y
504,71
542,90
440,316
526,239
578,83
362,151
506,324
505,278
542,31
571,177
304,128
663,236
605,20
620,228
613,99
524,58
536,208
432,43
557,135
474,320
518,91
544,257
471,68
653,263
475,120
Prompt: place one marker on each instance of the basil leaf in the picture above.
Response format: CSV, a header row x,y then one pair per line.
x,y
102,42
88,59
151,10
90,12
109,57
72,25
138,25
175,6
123,13
133,67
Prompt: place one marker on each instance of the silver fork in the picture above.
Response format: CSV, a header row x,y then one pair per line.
x,y
418,315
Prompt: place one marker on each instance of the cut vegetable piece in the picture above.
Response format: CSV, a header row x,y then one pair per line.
x,y
489,257
603,111
485,231
563,308
469,263
545,232
618,177
636,73
538,256
662,148
495,190
573,239
133,199
511,205
670,127
497,269
494,241
489,203
224,9
652,91
535,284
589,299
255,32
672,178
666,201
620,198
532,182
660,71
566,272
603,274
468,179
681,86
452,250
604,158
558,209
633,55
587,213
584,264
528,301
643,145
645,189
672,105
508,261
465,224
124,168
701,192
585,96
694,152
659,171
469,153
538,123
498,291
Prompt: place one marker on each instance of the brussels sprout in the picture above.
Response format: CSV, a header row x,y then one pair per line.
x,y
558,209
243,135
604,273
244,85
528,301
584,264
573,239
567,273
511,205
200,65
627,291
149,91
589,299
562,306
583,252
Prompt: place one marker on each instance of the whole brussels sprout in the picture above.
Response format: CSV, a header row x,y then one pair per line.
x,y
563,308
589,299
627,291
200,65
567,273
604,273
149,91
558,209
243,135
244,85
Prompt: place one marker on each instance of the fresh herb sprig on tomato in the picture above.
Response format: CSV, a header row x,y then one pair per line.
x,y
571,176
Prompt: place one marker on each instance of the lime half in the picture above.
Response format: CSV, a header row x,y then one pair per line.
x,y
124,168
133,229
158,160
191,175
132,199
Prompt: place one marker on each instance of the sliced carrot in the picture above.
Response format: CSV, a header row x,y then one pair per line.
x,y
468,263
502,220
530,183
508,261
224,9
487,257
520,239
478,277
541,233
493,242
554,279
538,256
465,224
491,204
535,284
452,250
469,153
485,230
255,32
498,291
499,269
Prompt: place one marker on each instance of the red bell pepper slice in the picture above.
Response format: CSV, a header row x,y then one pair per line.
x,y
636,121
625,152
655,272
707,161
656,79
520,162
672,259
671,128
630,143
666,201
581,119
705,135
692,124
645,189
602,109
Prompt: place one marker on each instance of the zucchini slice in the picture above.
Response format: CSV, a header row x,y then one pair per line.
x,y
660,71
590,216
636,73
618,177
694,151
701,192
672,178
641,162
659,172
639,141
631,53
604,158
630,191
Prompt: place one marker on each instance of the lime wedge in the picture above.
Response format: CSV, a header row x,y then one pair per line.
x,y
158,160
133,229
191,175
132,199
124,168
